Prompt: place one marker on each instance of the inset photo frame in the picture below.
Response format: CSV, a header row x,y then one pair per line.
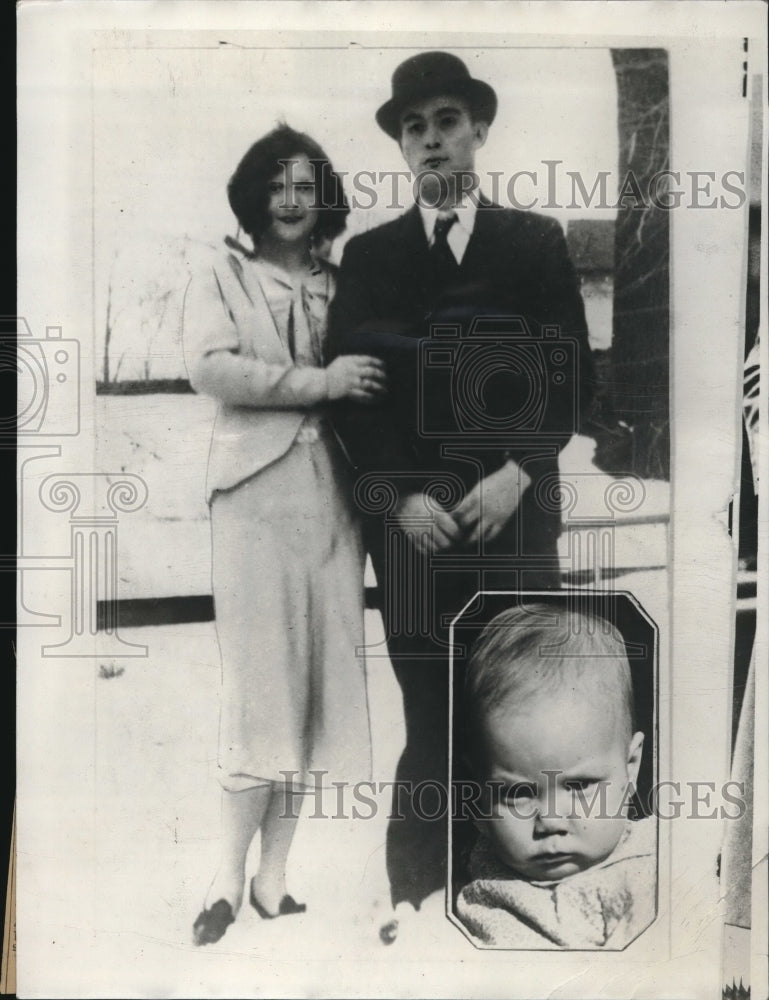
x,y
554,772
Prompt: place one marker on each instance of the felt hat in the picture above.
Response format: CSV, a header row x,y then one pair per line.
x,y
428,75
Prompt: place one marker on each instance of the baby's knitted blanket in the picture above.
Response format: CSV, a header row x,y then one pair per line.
x,y
606,906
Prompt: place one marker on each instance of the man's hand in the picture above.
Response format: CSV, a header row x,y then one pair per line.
x,y
491,503
445,530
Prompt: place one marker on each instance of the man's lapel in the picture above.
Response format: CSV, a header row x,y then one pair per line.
x,y
412,233
486,238
410,261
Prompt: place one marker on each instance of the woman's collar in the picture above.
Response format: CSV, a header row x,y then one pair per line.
x,y
232,243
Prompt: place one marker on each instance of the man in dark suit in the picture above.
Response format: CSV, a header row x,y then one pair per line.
x,y
476,311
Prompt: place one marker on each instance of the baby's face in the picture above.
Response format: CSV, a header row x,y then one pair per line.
x,y
547,762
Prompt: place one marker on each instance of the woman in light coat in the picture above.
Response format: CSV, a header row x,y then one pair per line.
x,y
287,556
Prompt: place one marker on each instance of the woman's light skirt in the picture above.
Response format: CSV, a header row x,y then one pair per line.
x,y
288,596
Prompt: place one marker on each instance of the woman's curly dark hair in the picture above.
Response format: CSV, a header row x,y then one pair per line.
x,y
248,191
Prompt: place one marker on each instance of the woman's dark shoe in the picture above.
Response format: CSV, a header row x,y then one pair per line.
x,y
212,924
288,905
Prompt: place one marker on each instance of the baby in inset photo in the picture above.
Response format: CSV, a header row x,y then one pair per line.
x,y
551,741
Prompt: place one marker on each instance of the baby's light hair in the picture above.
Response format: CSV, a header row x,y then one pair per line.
x,y
540,648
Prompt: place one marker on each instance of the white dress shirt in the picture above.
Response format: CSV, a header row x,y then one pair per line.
x,y
459,235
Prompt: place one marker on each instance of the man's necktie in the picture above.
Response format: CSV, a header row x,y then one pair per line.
x,y
444,262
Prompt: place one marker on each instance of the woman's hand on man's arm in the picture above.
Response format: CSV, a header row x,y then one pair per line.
x,y
244,381
357,377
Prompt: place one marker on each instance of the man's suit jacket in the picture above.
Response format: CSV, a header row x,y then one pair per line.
x,y
514,390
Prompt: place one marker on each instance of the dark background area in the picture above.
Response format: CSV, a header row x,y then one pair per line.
x,y
8,436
